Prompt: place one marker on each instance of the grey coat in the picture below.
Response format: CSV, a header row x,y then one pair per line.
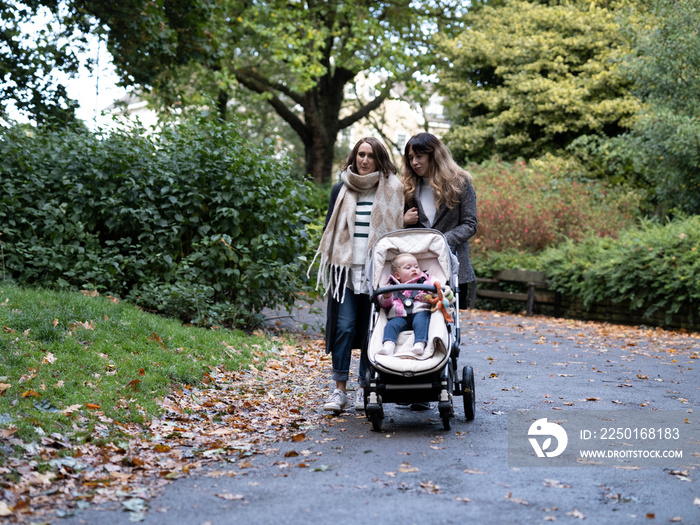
x,y
458,225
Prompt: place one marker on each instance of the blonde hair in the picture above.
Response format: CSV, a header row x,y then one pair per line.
x,y
446,178
395,264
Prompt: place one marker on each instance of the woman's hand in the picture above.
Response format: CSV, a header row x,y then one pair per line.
x,y
410,217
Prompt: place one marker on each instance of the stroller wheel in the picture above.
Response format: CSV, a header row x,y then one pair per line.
x,y
468,394
374,410
376,420
447,423
447,412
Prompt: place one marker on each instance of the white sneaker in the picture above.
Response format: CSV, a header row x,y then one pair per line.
x,y
337,401
360,399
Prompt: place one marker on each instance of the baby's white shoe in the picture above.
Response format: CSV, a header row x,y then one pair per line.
x,y
418,349
387,348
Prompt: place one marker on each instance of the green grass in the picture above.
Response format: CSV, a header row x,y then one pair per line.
x,y
61,350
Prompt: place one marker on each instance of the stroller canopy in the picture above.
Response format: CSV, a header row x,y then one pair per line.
x,y
427,245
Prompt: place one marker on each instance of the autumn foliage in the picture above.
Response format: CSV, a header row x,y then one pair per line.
x,y
531,207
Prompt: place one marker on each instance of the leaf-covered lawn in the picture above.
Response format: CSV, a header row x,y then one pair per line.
x,y
236,415
99,400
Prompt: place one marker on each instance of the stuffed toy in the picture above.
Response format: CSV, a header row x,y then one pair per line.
x,y
442,301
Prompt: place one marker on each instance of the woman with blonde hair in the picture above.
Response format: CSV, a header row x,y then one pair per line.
x,y
439,194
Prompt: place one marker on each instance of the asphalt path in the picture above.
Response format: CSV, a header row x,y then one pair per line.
x,y
414,472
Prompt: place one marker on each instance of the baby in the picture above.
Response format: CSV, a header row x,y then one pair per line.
x,y
407,309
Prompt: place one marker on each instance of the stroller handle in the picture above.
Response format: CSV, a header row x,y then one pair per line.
x,y
402,287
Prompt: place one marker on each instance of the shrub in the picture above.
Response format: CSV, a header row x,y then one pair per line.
x,y
194,221
654,267
531,207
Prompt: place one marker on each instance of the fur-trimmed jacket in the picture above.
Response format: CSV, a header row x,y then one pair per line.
x,y
395,304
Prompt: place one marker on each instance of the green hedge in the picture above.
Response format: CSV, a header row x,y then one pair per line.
x,y
192,221
655,267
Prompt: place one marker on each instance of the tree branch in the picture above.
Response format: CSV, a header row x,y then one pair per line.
x,y
364,110
266,85
259,85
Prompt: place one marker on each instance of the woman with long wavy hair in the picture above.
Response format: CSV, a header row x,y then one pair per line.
x,y
439,194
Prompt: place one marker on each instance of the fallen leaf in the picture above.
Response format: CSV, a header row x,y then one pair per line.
x,y
509,497
135,504
683,475
430,487
230,497
86,325
274,364
577,514
556,484
7,432
31,393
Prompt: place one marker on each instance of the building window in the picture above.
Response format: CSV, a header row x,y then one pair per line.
x,y
401,142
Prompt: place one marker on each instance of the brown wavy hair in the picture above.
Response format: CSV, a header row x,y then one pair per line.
x,y
446,178
382,161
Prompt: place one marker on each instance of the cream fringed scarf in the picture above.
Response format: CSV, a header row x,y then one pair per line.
x,y
336,243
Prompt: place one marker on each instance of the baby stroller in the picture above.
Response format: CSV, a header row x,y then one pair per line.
x,y
434,375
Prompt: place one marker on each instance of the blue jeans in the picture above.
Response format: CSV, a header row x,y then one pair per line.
x,y
418,322
353,314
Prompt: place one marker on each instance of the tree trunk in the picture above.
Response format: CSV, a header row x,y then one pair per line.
x,y
318,130
319,156
322,106
222,104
